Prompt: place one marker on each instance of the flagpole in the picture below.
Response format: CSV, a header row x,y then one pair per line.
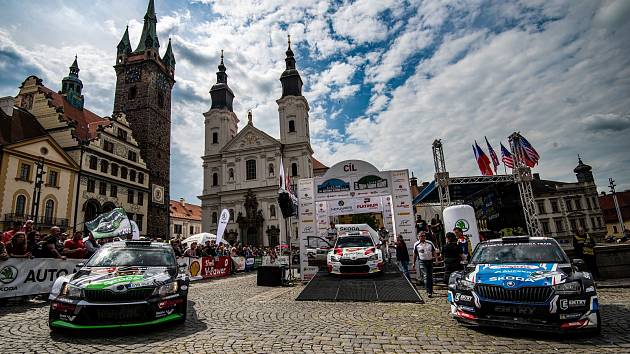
x,y
504,168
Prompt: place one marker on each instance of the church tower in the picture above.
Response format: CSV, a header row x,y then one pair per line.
x,y
71,86
294,121
144,82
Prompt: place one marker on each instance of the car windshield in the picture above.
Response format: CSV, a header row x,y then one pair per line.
x,y
147,257
354,241
531,252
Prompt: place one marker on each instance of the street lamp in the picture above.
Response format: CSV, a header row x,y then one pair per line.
x,y
611,184
82,144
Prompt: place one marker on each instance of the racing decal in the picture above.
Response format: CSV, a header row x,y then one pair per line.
x,y
565,304
449,296
467,308
477,301
590,289
594,304
463,297
472,276
570,316
517,275
553,306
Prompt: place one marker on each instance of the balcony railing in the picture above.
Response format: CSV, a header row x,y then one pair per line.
x,y
40,221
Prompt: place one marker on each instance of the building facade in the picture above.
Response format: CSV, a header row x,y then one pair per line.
x,y
185,219
37,177
144,82
613,226
241,169
112,171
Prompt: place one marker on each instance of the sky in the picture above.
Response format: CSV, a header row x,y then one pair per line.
x,y
383,78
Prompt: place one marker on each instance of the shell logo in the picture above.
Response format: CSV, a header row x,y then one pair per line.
x,y
195,268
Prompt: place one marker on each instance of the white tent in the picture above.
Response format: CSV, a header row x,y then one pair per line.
x,y
201,239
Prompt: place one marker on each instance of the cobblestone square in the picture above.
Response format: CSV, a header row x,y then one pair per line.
x,y
234,315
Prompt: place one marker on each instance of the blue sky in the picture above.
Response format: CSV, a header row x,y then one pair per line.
x,y
383,78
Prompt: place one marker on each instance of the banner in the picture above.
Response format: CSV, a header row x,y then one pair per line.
x,y
223,221
112,224
19,276
239,263
258,260
249,264
207,267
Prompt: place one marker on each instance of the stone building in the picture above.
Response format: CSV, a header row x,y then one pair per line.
x,y
241,169
28,152
185,219
112,172
613,227
144,82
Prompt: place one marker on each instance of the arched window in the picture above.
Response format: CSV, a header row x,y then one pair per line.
x,y
271,171
294,169
214,217
250,169
20,205
104,166
215,179
231,174
292,126
49,210
272,211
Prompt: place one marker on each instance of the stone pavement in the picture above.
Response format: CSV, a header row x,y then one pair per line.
x,y
234,315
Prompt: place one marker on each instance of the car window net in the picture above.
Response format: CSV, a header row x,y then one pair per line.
x,y
519,253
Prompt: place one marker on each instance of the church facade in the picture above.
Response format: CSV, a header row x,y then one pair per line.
x,y
241,168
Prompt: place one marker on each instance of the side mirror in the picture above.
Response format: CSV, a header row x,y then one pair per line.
x,y
578,263
80,265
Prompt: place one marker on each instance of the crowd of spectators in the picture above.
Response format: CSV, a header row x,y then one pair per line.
x,y
24,241
211,249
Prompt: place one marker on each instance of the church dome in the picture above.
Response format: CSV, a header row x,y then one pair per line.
x,y
582,167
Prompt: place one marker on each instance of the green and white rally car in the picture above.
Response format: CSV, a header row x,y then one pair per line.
x,y
124,284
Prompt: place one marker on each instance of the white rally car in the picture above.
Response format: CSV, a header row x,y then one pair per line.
x,y
355,253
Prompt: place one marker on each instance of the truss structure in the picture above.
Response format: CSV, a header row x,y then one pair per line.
x,y
441,175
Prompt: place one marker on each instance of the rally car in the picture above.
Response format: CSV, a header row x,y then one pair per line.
x,y
354,253
124,284
523,282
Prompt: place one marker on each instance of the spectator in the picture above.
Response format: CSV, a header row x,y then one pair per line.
x,y
50,245
17,247
27,227
424,253
421,225
192,251
462,241
33,243
331,233
383,237
177,248
584,248
453,256
402,256
437,229
3,252
7,235
75,248
91,246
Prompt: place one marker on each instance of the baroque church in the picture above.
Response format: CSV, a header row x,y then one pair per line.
x,y
241,169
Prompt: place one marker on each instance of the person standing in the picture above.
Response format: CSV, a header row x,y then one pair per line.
x,y
17,247
331,233
75,248
8,235
462,241
584,245
423,255
437,228
421,225
3,252
402,256
453,256
383,238
50,245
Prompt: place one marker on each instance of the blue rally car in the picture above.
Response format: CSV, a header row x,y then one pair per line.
x,y
527,283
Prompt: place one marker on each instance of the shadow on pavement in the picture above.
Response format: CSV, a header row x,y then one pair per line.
x,y
615,321
13,306
159,333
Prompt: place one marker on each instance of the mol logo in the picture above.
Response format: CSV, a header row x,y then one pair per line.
x,y
462,224
8,274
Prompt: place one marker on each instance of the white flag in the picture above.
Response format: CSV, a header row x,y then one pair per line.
x,y
223,220
283,186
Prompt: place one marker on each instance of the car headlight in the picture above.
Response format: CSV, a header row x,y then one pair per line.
x,y
70,291
463,284
335,258
573,287
373,257
166,289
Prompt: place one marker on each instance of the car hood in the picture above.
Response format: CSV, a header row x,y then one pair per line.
x,y
356,251
516,275
113,278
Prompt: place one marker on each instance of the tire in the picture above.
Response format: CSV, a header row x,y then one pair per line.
x,y
184,311
51,318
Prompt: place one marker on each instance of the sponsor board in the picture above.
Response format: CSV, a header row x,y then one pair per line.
x,y
20,276
207,267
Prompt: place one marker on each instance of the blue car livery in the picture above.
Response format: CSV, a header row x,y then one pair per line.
x,y
523,282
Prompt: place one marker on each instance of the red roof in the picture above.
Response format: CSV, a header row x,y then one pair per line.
x,y
87,122
318,165
182,210
607,204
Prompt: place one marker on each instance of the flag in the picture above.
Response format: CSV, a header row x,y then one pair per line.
x,y
531,153
523,155
493,155
223,220
112,224
482,160
283,180
506,157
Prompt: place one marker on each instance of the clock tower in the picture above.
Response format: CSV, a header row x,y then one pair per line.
x,y
144,82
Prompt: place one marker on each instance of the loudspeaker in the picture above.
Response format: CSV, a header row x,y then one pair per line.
x,y
269,276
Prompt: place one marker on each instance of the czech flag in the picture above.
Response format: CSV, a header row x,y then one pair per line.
x,y
482,160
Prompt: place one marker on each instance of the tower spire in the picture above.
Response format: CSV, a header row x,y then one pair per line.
x,y
169,58
71,86
222,95
290,78
149,37
124,46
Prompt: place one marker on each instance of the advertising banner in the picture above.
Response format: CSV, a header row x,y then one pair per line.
x,y
207,267
309,218
258,261
249,264
19,276
223,220
239,263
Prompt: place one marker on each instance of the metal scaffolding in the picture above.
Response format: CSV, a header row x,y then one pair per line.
x,y
521,174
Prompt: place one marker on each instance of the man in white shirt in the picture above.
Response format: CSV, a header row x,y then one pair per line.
x,y
423,255
331,233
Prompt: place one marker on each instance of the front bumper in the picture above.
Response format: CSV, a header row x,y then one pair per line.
x,y
557,314
82,314
369,267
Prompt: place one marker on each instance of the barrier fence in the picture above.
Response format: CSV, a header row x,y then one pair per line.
x,y
20,277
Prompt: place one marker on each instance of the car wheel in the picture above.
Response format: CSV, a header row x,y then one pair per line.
x,y
51,318
184,310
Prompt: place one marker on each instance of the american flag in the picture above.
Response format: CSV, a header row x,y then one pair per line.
x,y
493,156
531,153
506,157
